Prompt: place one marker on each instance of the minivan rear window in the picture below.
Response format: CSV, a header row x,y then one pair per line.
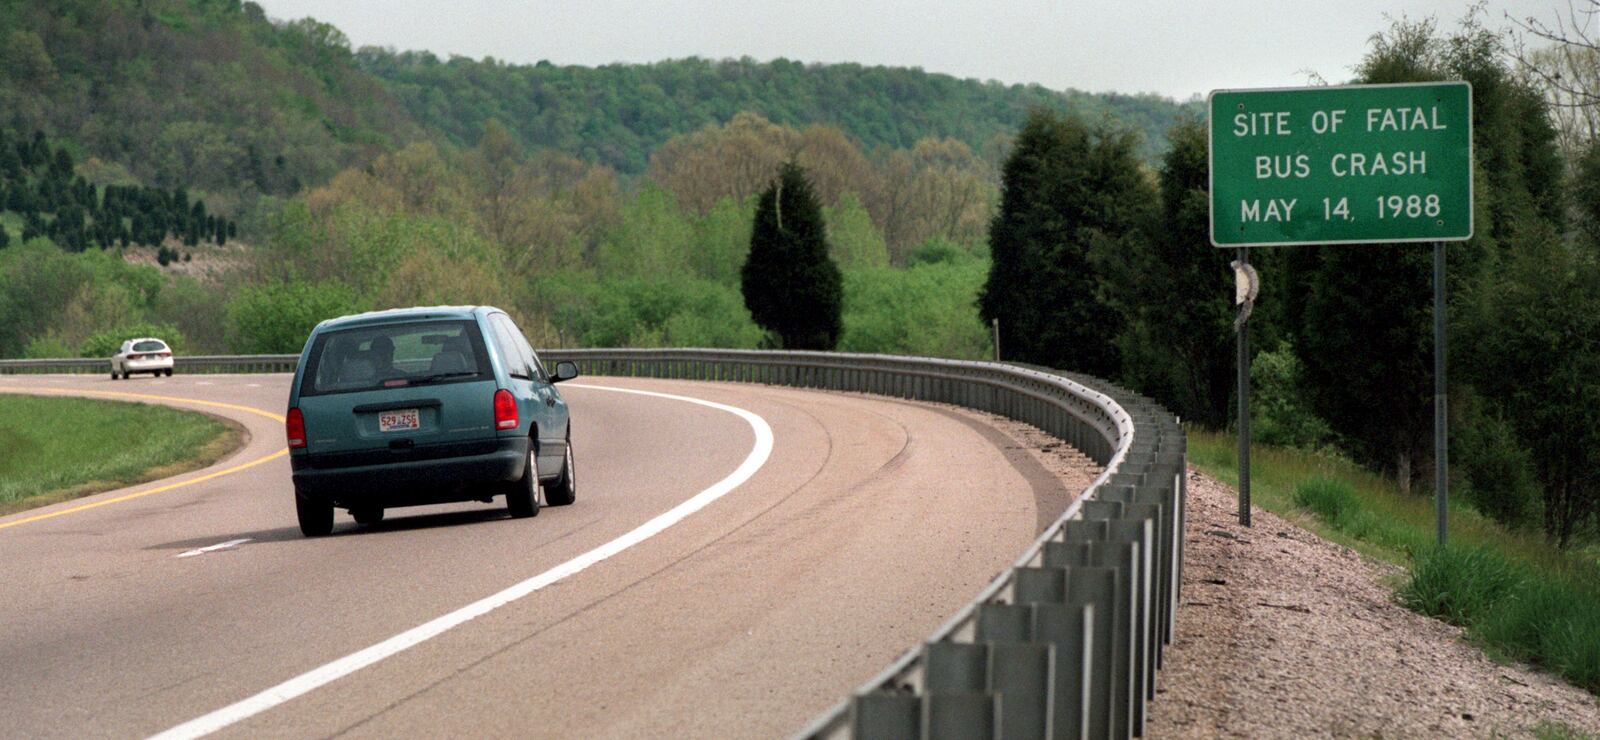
x,y
395,356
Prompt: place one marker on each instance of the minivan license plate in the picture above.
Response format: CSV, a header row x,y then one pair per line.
x,y
398,420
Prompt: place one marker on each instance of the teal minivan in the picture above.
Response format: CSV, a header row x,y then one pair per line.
x,y
422,406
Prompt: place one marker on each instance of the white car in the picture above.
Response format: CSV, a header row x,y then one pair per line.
x,y
143,355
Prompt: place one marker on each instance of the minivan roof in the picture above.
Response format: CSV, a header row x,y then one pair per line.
x,y
398,314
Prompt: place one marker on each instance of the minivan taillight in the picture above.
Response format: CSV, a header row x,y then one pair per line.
x,y
505,410
295,425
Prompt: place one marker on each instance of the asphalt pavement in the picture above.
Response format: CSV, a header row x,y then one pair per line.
x,y
868,523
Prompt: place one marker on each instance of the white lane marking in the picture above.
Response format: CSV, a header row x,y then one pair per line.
x,y
326,674
213,548
253,385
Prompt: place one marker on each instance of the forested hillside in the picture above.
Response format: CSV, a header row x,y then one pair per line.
x,y
201,93
214,95
618,114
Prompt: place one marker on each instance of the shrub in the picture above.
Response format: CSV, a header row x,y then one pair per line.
x,y
937,251
106,343
636,312
1459,585
927,310
1327,497
1279,414
48,346
276,318
1494,468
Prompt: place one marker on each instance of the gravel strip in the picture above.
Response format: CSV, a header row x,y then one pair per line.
x,y
1284,634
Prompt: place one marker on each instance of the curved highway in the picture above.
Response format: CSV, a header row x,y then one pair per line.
x,y
194,603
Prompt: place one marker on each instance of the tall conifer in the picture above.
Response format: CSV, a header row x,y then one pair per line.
x,y
791,286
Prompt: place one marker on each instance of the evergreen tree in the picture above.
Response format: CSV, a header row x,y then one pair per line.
x,y
1176,293
5,238
1071,196
791,286
61,164
1363,325
10,165
1538,356
38,153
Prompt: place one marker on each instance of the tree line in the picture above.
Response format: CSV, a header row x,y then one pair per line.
x,y
621,114
38,183
266,108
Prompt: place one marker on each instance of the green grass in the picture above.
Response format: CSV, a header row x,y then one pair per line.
x,y
52,449
1548,730
1517,595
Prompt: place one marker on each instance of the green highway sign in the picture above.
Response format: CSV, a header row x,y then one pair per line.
x,y
1341,165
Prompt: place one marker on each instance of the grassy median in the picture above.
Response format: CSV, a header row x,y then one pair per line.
x,y
1518,596
53,448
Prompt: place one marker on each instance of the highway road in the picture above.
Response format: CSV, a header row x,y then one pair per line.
x,y
195,599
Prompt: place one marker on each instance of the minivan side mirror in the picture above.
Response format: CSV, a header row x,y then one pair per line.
x,y
565,370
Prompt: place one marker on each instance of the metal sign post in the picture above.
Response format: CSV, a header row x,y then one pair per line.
x,y
1245,287
1346,164
1441,442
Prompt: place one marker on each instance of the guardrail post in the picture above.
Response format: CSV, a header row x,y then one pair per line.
x,y
880,715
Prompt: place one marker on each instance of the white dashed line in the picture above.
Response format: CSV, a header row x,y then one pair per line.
x,y
213,548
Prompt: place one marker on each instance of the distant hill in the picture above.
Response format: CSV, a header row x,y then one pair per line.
x,y
200,93
618,114
214,96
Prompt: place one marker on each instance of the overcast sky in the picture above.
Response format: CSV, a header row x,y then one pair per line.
x,y
1177,48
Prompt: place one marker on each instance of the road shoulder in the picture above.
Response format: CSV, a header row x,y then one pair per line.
x,y
1282,633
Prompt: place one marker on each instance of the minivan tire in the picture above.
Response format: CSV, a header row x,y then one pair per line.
x,y
522,497
565,490
316,519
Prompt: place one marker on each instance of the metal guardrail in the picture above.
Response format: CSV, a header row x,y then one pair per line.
x,y
1064,644
180,363
1067,642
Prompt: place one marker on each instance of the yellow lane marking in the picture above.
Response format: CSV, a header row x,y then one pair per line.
x,y
144,396
159,489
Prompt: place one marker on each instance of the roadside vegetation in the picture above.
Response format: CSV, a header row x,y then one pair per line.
x,y
1518,596
1342,391
62,448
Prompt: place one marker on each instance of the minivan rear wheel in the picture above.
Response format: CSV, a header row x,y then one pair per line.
x,y
565,490
522,498
316,518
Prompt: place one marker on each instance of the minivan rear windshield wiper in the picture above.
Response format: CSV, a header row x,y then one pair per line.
x,y
441,376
